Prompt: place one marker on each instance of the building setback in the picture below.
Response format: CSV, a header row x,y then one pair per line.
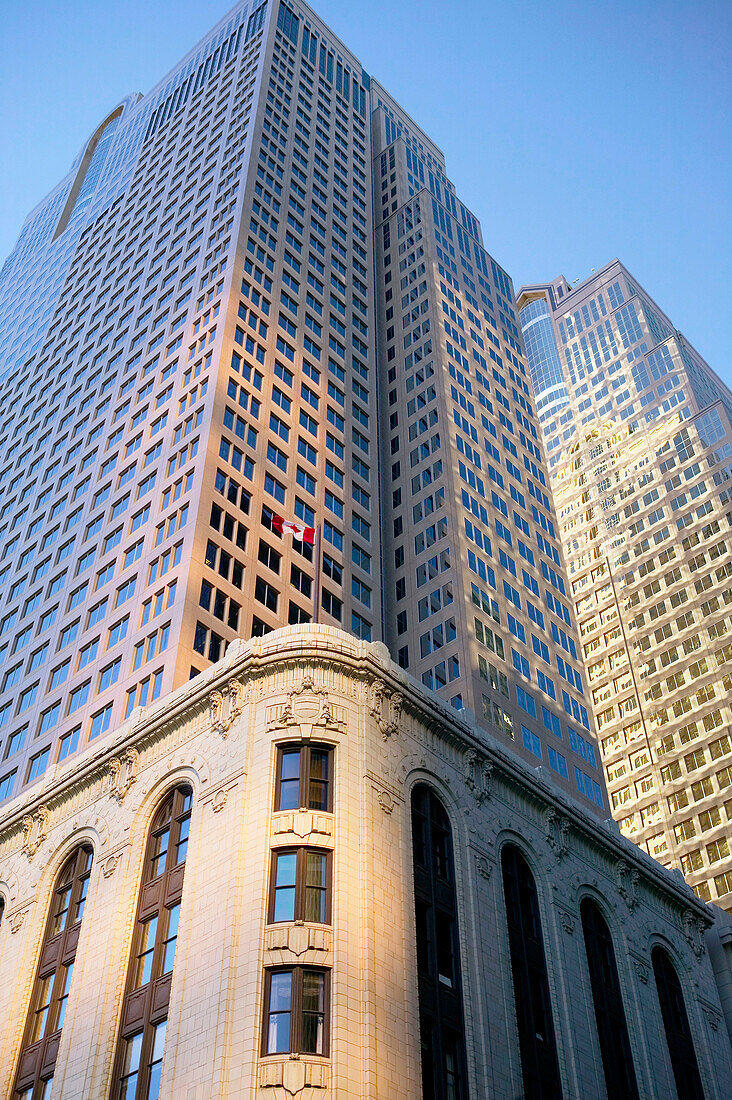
x,y
257,295
296,864
637,432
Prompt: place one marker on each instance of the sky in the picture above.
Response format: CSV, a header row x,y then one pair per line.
x,y
575,131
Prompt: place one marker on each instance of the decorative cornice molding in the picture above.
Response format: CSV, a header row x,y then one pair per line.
x,y
290,648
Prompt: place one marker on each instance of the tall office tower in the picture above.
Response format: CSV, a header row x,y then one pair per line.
x,y
637,427
474,591
194,323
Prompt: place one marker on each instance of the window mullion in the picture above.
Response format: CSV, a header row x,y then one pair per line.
x,y
300,883
304,776
296,1018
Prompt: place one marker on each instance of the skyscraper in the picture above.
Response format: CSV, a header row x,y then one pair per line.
x,y
257,296
637,429
304,872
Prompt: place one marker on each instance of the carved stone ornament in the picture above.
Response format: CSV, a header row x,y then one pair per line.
x,y
642,971
225,707
219,800
693,928
567,921
386,801
35,831
482,866
478,773
385,709
626,881
122,773
307,706
110,864
711,1016
15,920
557,833
293,1074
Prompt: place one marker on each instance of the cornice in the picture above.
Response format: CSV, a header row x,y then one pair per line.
x,y
315,644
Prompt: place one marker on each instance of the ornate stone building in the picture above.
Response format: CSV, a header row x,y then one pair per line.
x,y
300,862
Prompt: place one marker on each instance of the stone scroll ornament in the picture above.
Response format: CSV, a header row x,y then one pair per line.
x,y
478,774
35,831
385,709
626,882
693,929
557,833
225,707
122,773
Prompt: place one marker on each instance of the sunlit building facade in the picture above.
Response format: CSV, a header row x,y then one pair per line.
x,y
640,447
256,294
302,876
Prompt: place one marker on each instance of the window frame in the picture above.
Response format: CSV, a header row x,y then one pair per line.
x,y
145,1004
296,1010
57,954
305,749
301,884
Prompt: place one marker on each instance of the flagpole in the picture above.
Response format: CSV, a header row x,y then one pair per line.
x,y
316,582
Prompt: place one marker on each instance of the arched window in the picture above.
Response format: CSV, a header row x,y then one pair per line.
x,y
676,1026
612,1029
441,1025
53,979
537,1044
141,1041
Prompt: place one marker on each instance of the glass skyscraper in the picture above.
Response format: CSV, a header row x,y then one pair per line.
x,y
256,295
640,450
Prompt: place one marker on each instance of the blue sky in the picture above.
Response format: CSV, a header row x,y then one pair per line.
x,y
576,132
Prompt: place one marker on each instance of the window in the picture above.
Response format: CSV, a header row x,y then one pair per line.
x,y
141,1039
53,978
612,1029
676,1027
438,950
304,778
300,886
537,1045
296,1011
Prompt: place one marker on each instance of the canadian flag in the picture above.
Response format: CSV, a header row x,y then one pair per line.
x,y
298,530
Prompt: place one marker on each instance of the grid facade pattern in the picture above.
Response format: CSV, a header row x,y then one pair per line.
x,y
474,584
225,261
640,485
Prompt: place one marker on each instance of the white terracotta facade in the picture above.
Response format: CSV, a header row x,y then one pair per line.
x,y
315,684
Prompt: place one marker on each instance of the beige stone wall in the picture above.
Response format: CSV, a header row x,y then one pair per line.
x,y
219,733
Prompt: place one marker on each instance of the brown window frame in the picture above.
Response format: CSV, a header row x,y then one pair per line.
x,y
58,952
296,1010
302,853
305,749
145,1005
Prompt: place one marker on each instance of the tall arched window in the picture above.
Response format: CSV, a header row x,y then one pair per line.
x,y
612,1029
442,1032
537,1045
676,1026
141,1041
53,979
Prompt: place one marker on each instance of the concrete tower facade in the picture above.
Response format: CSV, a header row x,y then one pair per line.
x,y
262,298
